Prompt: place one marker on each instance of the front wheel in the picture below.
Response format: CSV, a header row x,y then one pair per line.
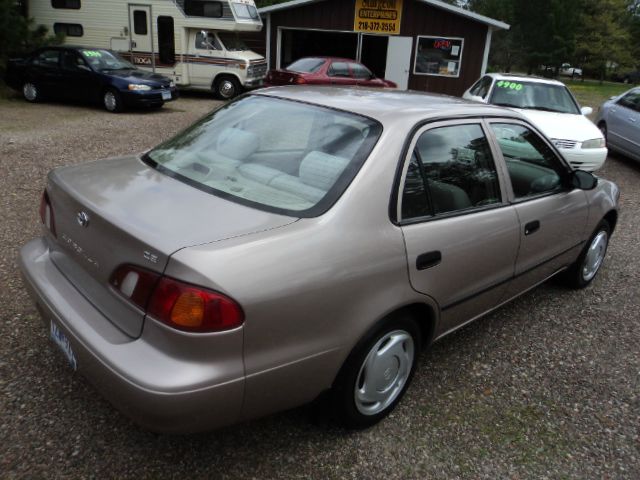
x,y
112,101
582,273
226,88
376,374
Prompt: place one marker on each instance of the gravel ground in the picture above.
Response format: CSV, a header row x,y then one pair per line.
x,y
547,387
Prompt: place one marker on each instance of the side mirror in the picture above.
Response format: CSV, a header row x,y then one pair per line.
x,y
84,68
586,111
583,180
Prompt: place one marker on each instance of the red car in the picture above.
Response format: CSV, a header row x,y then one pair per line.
x,y
326,71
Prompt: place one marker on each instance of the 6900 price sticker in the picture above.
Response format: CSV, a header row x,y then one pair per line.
x,y
373,26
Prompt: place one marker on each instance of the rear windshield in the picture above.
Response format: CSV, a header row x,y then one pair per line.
x,y
534,96
306,65
278,155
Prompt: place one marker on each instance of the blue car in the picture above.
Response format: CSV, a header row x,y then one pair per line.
x,y
88,74
619,121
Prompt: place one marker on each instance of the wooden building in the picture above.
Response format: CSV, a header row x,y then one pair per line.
x,y
419,44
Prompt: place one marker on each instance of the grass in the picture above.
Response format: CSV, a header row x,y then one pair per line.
x,y
591,93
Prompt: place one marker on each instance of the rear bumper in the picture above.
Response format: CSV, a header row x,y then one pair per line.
x,y
164,380
588,159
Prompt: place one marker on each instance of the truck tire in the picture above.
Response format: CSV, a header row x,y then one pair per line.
x,y
226,87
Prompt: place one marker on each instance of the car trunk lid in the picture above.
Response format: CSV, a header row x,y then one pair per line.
x,y
121,211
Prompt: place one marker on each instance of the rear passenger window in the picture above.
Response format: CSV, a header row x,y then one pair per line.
x,y
533,167
457,169
482,87
339,69
48,58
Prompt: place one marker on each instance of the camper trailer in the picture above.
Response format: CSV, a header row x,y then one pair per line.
x,y
194,42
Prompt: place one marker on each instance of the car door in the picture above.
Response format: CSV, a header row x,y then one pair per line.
x,y
461,234
209,55
339,74
623,122
80,82
552,215
44,71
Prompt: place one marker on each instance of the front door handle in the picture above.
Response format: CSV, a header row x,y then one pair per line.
x,y
531,227
428,260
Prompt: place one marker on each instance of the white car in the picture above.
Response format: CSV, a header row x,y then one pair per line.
x,y
553,109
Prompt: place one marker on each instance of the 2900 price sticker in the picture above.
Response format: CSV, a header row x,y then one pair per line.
x,y
377,26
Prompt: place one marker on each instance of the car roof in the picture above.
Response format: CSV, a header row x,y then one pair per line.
x,y
388,105
524,78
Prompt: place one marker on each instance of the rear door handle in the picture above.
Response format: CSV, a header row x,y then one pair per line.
x,y
428,260
531,227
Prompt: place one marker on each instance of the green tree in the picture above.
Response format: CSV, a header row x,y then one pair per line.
x,y
604,39
18,34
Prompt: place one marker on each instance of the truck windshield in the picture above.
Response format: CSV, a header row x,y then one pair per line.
x,y
104,60
232,41
272,154
245,11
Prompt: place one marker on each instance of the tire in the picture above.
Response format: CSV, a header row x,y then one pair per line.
x,y
584,270
112,102
226,87
603,128
31,92
376,374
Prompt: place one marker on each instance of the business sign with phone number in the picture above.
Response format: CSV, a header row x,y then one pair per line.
x,y
378,16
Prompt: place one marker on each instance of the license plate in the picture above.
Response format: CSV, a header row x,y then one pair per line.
x,y
166,95
62,341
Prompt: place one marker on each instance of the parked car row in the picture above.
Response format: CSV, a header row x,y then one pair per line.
x,y
90,75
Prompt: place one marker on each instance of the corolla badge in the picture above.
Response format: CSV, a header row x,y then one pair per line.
x,y
83,219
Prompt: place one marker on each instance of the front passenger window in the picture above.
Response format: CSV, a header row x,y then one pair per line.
x,y
533,167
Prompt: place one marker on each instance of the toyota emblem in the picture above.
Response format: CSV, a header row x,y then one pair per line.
x,y
83,219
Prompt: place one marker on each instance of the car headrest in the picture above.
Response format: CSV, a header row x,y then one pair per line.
x,y
321,170
237,144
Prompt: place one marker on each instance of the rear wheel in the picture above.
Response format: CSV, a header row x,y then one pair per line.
x,y
584,270
226,87
31,92
376,374
112,101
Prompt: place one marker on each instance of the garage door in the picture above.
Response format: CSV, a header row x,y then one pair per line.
x,y
295,44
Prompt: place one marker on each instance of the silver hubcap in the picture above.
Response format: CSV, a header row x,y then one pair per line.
x,y
384,372
110,101
30,91
595,256
227,89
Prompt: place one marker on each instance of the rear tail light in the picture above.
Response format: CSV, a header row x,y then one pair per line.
x,y
46,213
177,304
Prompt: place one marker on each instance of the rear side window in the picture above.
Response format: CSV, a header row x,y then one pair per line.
x,y
49,58
272,154
482,87
339,69
306,65
457,169
533,167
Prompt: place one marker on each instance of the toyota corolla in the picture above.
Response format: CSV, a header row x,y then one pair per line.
x,y
303,240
